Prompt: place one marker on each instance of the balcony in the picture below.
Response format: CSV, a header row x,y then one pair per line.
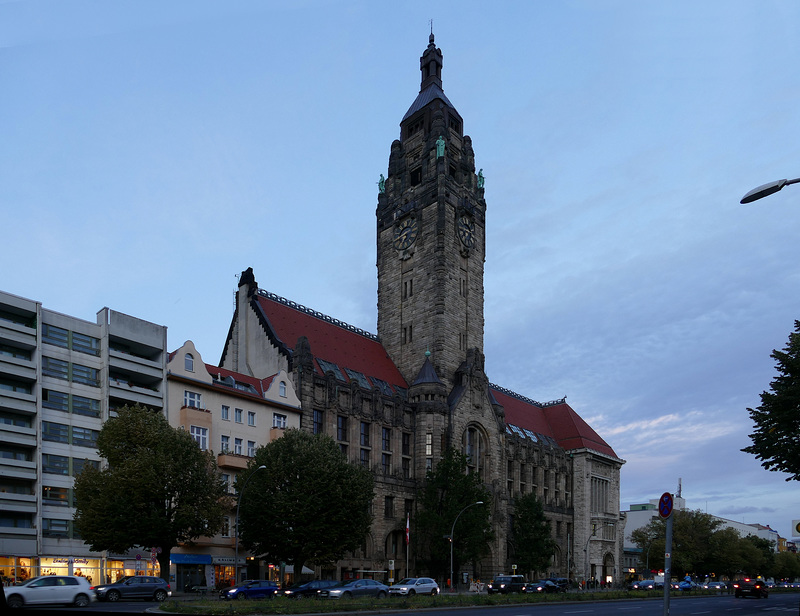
x,y
18,401
233,461
17,368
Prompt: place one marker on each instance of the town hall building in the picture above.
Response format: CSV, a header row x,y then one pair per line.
x,y
396,400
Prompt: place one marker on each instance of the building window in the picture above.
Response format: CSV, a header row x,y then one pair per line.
x,y
55,528
428,465
386,463
599,495
428,444
226,526
85,344
226,413
343,449
226,481
251,448
278,420
251,418
84,437
237,446
364,434
364,459
56,368
55,496
316,426
57,465
406,444
188,362
192,399
85,406
200,435
78,465
341,428
408,288
386,439
388,507
56,432
406,468
237,415
56,336
224,443
56,400
85,375
282,389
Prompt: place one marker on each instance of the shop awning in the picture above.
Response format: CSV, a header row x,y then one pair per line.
x,y
190,559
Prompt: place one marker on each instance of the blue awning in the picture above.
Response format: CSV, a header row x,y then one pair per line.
x,y
190,559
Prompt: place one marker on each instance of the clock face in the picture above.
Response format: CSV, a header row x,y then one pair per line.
x,y
405,233
466,231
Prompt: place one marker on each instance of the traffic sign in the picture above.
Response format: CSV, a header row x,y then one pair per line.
x,y
665,505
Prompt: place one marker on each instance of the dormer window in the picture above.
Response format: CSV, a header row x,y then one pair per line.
x,y
282,389
188,362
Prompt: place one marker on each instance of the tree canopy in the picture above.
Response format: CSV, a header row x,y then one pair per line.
x,y
308,505
777,419
448,489
531,538
157,491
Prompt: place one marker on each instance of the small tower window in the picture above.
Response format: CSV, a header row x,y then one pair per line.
x,y
282,389
416,176
188,362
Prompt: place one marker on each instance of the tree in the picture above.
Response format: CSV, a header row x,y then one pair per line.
x,y
159,489
530,534
448,489
309,505
777,419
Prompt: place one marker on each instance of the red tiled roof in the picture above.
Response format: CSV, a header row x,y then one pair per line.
x,y
260,385
330,342
558,421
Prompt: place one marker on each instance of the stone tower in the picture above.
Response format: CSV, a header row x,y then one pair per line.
x,y
431,236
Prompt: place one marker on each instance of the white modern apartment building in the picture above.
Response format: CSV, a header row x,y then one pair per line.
x,y
61,377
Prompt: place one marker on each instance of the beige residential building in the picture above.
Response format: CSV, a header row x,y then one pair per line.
x,y
232,415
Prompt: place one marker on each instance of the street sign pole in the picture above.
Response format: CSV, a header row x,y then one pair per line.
x,y
665,511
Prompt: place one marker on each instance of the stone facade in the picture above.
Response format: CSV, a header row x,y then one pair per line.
x,y
395,401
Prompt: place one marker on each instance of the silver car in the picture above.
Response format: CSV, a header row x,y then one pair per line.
x,y
414,586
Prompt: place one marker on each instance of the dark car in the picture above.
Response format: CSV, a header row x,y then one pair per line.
x,y
562,583
308,589
251,589
146,587
643,585
507,583
750,588
545,586
355,588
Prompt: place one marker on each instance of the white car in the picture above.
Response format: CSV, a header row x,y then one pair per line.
x,y
414,586
51,589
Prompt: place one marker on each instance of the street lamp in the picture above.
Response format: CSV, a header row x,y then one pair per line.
x,y
766,189
236,523
452,530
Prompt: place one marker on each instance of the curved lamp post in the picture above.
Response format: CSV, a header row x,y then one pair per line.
x,y
236,523
452,530
766,189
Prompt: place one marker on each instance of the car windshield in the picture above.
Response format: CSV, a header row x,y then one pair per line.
x,y
407,582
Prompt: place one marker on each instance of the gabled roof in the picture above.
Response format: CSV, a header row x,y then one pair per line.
x,y
333,341
259,385
556,420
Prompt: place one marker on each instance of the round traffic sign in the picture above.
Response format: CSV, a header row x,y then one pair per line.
x,y
665,505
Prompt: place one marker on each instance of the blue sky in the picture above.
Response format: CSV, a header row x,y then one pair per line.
x,y
151,151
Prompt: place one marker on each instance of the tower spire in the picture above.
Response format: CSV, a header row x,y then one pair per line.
x,y
431,64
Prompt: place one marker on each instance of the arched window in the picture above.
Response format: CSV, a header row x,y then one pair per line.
x,y
282,389
188,362
474,447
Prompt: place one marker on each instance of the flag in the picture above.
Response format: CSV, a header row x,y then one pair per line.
x,y
408,529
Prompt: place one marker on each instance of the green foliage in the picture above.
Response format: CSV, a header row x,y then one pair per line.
x,y
309,505
777,419
158,490
530,534
700,547
787,565
448,489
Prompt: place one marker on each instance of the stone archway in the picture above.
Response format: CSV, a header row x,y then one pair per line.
x,y
609,570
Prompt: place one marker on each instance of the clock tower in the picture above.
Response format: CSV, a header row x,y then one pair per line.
x,y
431,219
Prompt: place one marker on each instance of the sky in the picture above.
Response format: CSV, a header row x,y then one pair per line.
x,y
150,151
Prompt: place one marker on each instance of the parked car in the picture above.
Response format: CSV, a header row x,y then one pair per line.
x,y
750,588
545,586
302,590
506,584
355,588
146,587
562,583
716,586
51,589
414,586
251,589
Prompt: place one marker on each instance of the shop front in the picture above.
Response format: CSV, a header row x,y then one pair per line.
x,y
192,570
15,569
